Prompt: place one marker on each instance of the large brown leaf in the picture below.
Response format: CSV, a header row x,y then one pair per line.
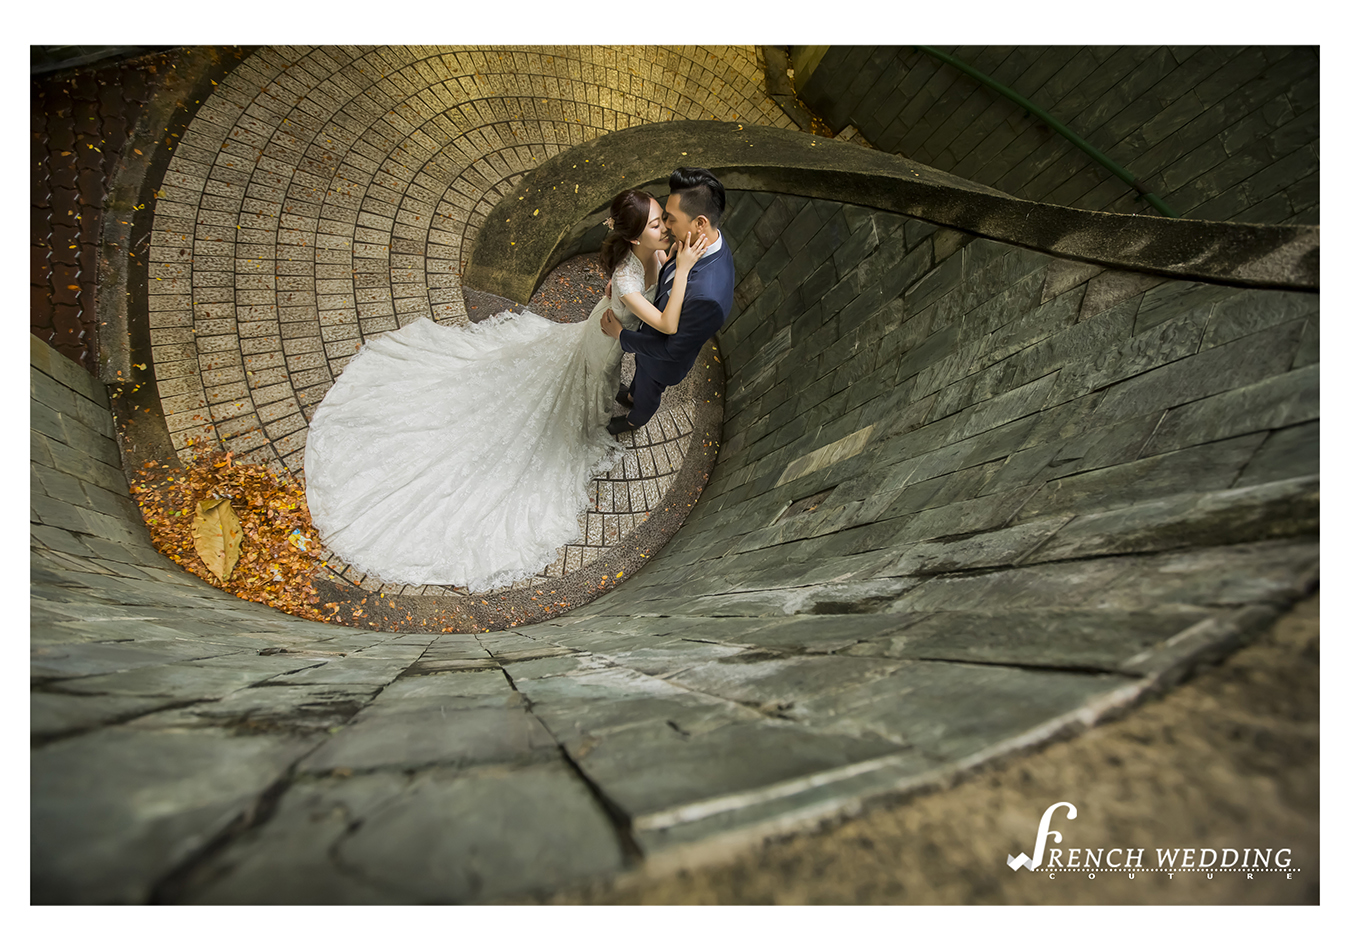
x,y
216,533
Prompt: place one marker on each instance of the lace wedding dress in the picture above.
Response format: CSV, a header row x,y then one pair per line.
x,y
462,455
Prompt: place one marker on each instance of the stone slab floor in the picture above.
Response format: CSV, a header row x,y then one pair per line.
x,y
1229,758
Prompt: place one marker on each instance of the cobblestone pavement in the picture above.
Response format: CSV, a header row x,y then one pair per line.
x,y
323,196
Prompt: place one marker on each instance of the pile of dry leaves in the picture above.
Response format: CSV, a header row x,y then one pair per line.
x,y
238,527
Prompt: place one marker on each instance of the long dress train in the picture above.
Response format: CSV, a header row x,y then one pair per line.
x,y
462,455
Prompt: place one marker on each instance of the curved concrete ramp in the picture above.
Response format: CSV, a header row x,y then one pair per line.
x,y
969,497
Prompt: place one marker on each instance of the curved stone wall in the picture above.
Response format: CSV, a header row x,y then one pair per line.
x,y
949,405
568,193
952,468
970,496
1221,133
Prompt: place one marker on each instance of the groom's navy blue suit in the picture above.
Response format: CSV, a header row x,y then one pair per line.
x,y
663,360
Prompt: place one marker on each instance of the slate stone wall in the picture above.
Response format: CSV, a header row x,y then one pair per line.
x,y
905,402
1221,133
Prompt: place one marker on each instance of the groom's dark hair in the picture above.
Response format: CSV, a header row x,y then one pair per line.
x,y
700,193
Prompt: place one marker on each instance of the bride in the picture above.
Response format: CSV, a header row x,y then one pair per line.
x,y
462,456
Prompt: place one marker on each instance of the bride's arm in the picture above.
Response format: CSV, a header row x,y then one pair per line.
x,y
668,320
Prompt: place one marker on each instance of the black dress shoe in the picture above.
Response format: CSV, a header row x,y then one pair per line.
x,y
624,396
619,425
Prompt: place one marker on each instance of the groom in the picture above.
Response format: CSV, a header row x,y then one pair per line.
x,y
695,206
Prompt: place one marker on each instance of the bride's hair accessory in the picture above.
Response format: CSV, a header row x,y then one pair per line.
x,y
609,223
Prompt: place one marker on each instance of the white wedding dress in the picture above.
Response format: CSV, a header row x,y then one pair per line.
x,y
462,455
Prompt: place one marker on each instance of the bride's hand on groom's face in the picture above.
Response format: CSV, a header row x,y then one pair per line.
x,y
688,251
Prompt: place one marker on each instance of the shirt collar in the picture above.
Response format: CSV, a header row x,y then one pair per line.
x,y
713,248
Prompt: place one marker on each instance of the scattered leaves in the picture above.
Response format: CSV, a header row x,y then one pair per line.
x,y
277,547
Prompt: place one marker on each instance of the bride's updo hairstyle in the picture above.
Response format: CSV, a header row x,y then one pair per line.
x,y
630,211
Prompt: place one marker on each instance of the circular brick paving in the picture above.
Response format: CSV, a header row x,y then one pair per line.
x,y
325,195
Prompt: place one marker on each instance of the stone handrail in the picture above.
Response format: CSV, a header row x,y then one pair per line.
x,y
537,225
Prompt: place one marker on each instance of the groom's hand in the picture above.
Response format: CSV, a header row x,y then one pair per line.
x,y
610,324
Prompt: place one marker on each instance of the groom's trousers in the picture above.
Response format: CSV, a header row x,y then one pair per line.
x,y
646,397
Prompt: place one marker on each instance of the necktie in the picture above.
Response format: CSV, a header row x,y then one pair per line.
x,y
665,280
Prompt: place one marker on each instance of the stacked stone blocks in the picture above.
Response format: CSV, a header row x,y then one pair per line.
x,y
989,377
1223,133
79,131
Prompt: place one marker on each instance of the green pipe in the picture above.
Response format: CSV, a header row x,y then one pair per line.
x,y
1135,183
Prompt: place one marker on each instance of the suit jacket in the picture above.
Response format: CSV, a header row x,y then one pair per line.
x,y
707,302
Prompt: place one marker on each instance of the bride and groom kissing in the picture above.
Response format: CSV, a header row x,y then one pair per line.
x,y
462,456
663,356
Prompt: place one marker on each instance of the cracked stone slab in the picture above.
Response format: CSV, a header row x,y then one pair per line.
x,y
51,714
198,679
48,630
646,655
454,653
456,837
348,669
513,648
478,688
456,648
1289,507
418,733
781,683
659,765
565,665
289,859
927,704
990,549
1047,637
718,826
1232,575
443,666
114,811
805,599
90,659
592,702
807,634
1168,662
406,652
297,709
